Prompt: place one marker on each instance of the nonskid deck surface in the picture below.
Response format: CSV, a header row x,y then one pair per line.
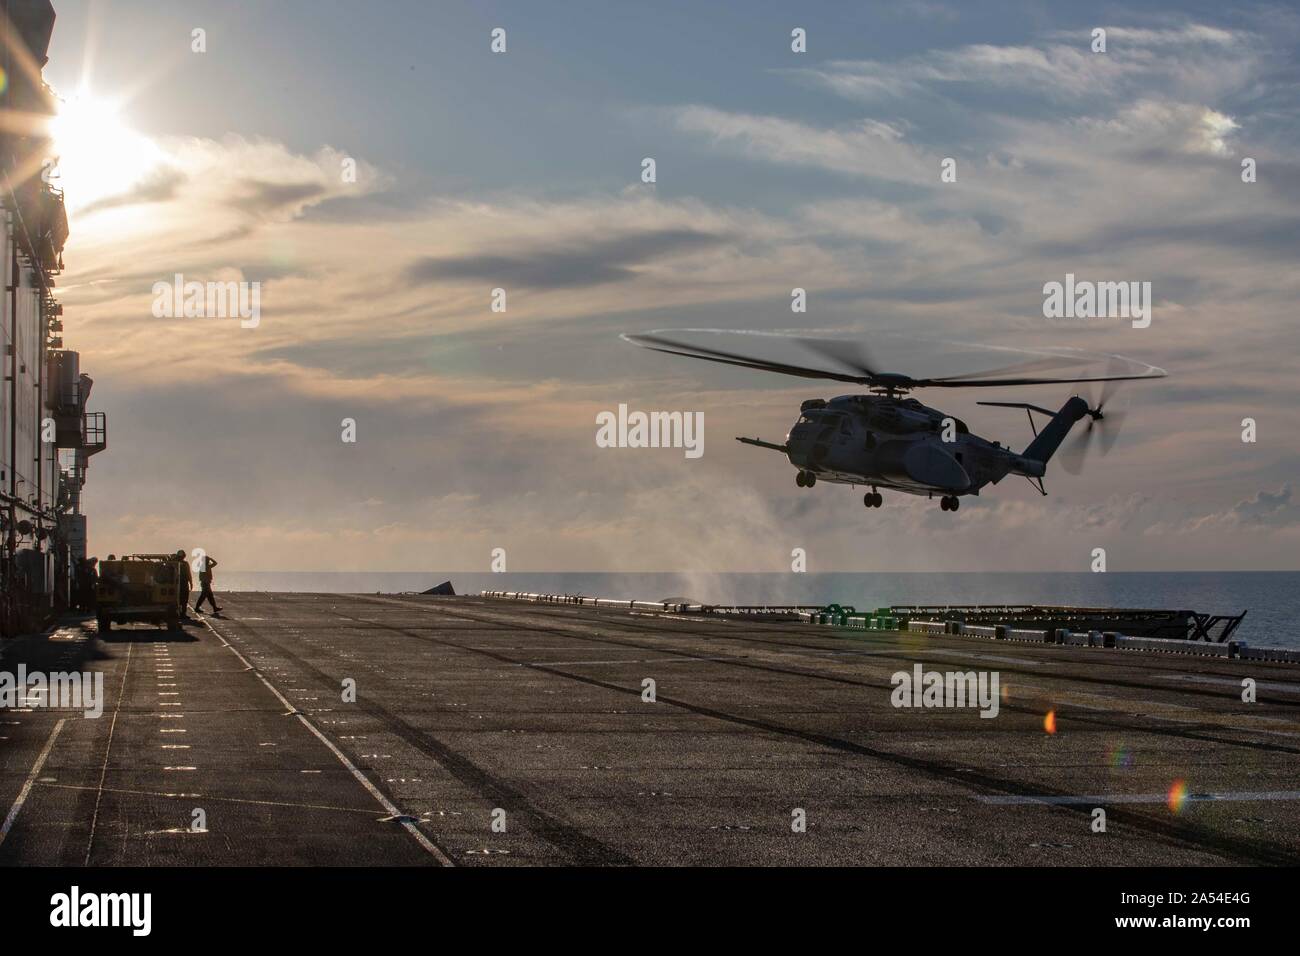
x,y
495,733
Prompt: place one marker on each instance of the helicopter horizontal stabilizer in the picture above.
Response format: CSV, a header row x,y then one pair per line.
x,y
1025,405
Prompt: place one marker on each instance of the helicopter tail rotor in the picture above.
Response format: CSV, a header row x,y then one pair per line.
x,y
1101,431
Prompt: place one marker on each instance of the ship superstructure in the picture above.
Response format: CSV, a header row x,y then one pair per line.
x,y
47,435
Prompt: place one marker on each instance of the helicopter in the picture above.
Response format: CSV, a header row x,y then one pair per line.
x,y
885,439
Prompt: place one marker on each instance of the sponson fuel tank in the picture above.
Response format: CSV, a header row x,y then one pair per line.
x,y
922,462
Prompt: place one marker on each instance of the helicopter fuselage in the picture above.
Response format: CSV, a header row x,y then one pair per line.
x,y
888,441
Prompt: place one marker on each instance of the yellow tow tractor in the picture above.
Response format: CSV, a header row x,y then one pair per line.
x,y
139,587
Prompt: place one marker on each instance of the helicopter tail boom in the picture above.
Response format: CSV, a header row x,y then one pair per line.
x,y
1049,439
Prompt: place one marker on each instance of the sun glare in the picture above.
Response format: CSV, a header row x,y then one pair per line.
x,y
98,155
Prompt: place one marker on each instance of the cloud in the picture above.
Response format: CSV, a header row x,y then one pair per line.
x,y
216,188
157,185
1190,34
1257,517
1148,125
1265,507
1192,56
263,198
867,147
477,429
594,262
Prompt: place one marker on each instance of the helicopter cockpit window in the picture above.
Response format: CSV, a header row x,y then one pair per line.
x,y
818,417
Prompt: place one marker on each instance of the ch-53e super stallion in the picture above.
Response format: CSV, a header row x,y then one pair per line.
x,y
886,439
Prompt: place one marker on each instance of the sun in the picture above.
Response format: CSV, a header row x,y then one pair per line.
x,y
99,156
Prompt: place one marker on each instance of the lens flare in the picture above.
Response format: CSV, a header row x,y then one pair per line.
x,y
1121,758
1049,722
98,155
1177,796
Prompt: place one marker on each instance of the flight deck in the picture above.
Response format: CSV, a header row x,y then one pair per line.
x,y
329,729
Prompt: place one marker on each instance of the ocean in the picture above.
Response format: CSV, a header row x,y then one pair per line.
x,y
1272,598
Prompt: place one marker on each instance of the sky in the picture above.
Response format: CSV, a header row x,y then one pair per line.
x,y
775,169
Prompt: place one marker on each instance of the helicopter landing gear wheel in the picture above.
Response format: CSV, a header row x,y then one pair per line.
x,y
798,479
805,479
949,502
873,499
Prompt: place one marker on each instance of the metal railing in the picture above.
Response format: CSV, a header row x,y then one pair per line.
x,y
94,431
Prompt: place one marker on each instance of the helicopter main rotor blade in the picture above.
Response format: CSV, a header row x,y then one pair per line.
x,y
851,355
995,382
660,343
1032,365
1118,369
863,370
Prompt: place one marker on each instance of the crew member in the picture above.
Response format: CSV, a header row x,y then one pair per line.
x,y
205,583
186,582
86,582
